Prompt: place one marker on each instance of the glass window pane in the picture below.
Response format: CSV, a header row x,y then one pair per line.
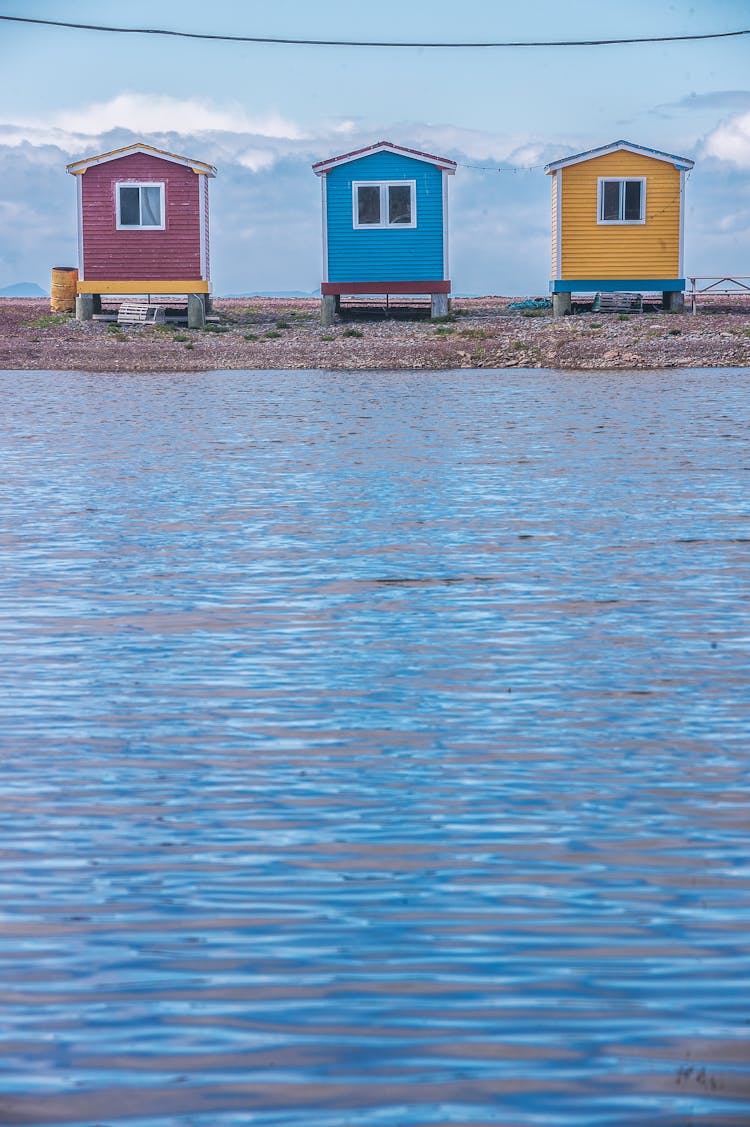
x,y
611,199
130,212
150,207
368,203
399,203
633,200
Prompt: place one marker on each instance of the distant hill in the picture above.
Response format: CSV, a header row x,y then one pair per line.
x,y
272,293
23,289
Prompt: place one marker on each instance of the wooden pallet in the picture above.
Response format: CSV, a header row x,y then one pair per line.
x,y
140,313
618,303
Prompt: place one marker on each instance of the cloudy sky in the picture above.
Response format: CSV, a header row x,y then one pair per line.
x,y
263,113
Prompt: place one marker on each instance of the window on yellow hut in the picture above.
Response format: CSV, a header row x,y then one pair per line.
x,y
622,200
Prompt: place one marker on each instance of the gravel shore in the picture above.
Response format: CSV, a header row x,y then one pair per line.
x,y
276,333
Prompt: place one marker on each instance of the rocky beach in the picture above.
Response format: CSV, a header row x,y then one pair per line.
x,y
282,333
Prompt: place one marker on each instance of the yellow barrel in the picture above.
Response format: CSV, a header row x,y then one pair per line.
x,y
63,289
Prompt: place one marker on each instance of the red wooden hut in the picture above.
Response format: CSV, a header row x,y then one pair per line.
x,y
142,223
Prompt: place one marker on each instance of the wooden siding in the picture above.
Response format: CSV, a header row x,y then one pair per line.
x,y
394,254
171,253
555,263
593,250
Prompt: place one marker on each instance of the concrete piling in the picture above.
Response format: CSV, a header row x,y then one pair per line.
x,y
85,306
327,310
561,304
673,301
439,305
196,311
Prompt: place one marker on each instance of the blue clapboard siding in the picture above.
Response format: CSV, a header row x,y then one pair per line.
x,y
412,254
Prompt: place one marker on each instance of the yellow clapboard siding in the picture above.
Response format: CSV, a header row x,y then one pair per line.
x,y
594,250
148,285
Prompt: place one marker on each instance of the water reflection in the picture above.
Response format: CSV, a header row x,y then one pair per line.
x,y
375,749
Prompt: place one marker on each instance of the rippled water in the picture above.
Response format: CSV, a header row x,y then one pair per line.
x,y
375,749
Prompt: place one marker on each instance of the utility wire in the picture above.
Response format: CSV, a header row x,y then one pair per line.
x,y
502,168
374,43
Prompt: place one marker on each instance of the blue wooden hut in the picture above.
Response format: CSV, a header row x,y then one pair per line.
x,y
385,225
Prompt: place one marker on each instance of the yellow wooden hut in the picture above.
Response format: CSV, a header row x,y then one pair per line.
x,y
617,223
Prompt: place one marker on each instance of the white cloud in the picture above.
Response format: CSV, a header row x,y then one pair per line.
x,y
730,141
734,223
146,114
265,204
13,136
476,145
266,200
229,133
256,160
14,212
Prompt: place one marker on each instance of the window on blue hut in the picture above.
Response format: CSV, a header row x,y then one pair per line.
x,y
622,200
140,206
399,203
368,204
384,204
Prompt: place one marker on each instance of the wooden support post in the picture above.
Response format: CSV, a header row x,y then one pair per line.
x,y
327,310
561,304
196,311
85,306
439,305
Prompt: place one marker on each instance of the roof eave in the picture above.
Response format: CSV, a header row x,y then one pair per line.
x,y
683,164
78,167
321,167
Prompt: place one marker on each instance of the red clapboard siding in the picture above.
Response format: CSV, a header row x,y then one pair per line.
x,y
131,255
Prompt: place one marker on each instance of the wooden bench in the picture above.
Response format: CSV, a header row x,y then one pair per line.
x,y
618,303
140,313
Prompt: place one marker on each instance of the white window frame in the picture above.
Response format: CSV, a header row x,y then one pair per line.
x,y
384,185
600,200
140,184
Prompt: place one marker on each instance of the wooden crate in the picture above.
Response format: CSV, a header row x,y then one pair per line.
x,y
618,303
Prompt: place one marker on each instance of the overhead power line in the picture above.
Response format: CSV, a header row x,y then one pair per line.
x,y
372,43
502,168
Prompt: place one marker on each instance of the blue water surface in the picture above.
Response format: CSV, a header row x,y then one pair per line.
x,y
375,749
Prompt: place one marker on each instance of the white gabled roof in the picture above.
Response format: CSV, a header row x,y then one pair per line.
x,y
78,167
323,166
681,163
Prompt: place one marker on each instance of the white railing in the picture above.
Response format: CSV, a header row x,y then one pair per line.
x,y
711,284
